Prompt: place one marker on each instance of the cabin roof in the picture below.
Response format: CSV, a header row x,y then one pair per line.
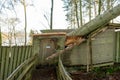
x,y
51,34
57,30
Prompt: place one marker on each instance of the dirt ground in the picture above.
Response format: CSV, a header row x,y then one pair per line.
x,y
49,73
99,73
95,76
44,73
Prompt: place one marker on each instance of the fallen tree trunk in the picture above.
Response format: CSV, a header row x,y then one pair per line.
x,y
89,27
97,22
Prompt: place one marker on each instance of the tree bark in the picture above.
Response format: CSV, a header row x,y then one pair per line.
x,y
95,13
81,20
97,22
90,10
99,7
51,15
108,4
25,13
76,11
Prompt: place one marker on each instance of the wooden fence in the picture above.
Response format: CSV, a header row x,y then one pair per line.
x,y
13,61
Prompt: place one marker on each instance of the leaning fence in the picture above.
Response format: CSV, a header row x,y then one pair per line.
x,y
13,60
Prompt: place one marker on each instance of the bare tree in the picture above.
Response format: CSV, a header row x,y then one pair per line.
x,y
81,20
89,10
51,15
99,7
76,11
108,4
25,13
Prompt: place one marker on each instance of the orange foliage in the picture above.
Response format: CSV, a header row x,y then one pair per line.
x,y
72,40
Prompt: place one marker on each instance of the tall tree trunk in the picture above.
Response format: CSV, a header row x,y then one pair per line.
x,y
51,15
81,20
99,7
108,4
95,8
25,13
97,22
89,10
76,11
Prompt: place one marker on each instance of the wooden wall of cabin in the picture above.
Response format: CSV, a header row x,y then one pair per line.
x,y
117,47
45,46
103,50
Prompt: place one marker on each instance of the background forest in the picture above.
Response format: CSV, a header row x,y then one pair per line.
x,y
81,11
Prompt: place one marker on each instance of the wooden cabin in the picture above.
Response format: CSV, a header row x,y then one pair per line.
x,y
103,49
46,44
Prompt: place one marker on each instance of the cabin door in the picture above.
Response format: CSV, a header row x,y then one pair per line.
x,y
47,48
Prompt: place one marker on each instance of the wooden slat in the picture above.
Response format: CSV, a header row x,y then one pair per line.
x,y
28,48
19,56
62,73
25,71
117,46
26,53
12,49
8,53
22,57
3,63
29,51
15,58
19,59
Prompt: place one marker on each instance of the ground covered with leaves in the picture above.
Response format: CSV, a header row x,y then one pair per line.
x,y
44,73
99,73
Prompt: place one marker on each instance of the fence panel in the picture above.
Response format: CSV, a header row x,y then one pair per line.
x,y
11,58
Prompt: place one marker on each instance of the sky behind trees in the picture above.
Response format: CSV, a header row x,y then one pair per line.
x,y
36,11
